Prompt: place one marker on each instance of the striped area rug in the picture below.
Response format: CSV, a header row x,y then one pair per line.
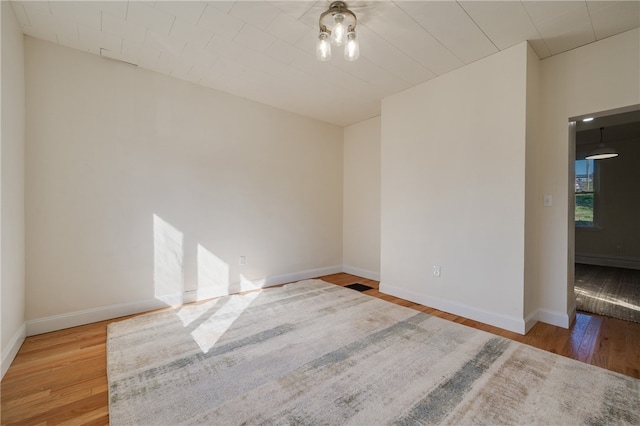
x,y
613,292
315,353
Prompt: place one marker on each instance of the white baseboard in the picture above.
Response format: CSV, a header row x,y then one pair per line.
x,y
612,261
246,284
530,320
517,325
11,350
297,276
102,313
572,314
506,322
87,316
361,272
559,319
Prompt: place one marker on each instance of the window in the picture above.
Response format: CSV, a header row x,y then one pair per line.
x,y
584,193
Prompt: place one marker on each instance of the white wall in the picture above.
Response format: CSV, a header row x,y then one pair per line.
x,y
453,179
430,216
109,147
136,180
596,77
533,197
361,203
12,223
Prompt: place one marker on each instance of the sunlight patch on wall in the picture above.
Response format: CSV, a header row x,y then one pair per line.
x,y
168,269
208,333
213,275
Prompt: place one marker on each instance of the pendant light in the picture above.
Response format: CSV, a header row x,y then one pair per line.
x,y
337,27
602,151
323,48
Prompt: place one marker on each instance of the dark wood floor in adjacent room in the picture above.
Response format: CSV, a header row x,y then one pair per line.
x,y
60,377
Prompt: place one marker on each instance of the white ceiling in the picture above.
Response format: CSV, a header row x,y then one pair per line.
x,y
265,50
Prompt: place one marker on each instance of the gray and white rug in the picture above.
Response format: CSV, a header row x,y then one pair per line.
x,y
613,292
315,353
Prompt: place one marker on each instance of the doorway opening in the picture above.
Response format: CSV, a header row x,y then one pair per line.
x,y
605,200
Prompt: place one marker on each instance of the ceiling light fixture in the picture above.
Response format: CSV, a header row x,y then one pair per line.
x,y
337,27
587,119
602,151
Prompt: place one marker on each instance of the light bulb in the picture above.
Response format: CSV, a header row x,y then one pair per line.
x,y
323,48
351,50
339,31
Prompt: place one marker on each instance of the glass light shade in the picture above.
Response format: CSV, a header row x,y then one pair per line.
x,y
339,31
323,48
352,49
601,153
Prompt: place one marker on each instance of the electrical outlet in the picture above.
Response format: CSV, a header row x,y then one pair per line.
x,y
242,260
619,249
436,271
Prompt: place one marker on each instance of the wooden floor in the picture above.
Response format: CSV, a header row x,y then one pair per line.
x,y
60,377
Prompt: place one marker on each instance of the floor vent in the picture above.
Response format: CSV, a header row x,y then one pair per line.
x,y
359,287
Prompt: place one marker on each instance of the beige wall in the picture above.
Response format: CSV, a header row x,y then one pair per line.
x,y
141,186
453,179
619,197
533,197
132,181
12,223
361,204
597,77
502,262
